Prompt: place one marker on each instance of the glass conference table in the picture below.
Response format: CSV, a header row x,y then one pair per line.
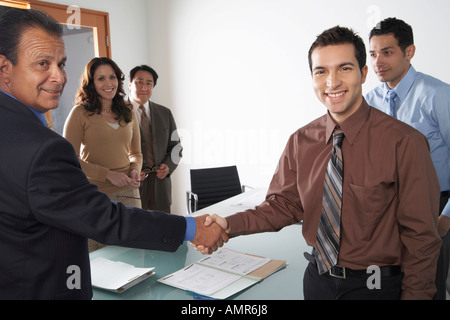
x,y
287,244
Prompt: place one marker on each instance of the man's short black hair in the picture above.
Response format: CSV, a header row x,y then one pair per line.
x,y
340,35
402,31
144,68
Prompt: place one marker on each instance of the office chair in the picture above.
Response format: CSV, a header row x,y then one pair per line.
x,y
212,185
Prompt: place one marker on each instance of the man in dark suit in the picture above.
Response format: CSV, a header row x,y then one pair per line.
x,y
48,208
161,145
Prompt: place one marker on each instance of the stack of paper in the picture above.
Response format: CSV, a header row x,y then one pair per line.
x,y
115,275
223,274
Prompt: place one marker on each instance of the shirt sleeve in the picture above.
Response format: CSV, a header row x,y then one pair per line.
x,y
442,109
282,206
191,227
446,211
135,155
417,215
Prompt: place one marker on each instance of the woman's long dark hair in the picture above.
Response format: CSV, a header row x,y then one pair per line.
x,y
88,97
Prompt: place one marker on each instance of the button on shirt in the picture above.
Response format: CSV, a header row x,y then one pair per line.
x,y
424,103
390,195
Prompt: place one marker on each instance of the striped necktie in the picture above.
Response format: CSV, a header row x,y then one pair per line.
x,y
391,95
328,234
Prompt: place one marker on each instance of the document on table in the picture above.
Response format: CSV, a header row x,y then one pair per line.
x,y
235,262
117,276
223,274
200,279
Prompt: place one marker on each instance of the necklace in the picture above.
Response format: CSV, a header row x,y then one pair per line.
x,y
107,110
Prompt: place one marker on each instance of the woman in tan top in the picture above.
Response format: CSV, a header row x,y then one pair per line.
x,y
105,134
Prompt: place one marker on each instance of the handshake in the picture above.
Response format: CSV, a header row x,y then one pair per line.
x,y
211,234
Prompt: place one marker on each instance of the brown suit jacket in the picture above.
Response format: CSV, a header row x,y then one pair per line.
x,y
167,149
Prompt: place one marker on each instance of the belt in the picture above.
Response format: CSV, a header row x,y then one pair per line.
x,y
344,273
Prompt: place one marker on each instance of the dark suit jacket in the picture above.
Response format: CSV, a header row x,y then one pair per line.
x,y
48,209
166,149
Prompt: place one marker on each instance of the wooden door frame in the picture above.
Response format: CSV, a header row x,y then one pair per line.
x,y
98,20
15,4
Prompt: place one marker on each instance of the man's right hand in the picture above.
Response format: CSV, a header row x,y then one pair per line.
x,y
209,235
209,222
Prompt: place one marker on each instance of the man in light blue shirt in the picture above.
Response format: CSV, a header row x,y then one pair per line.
x,y
421,101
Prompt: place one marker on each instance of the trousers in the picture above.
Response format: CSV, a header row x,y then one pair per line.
x,y
326,287
147,192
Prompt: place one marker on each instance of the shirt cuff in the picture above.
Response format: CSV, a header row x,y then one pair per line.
x,y
191,228
446,211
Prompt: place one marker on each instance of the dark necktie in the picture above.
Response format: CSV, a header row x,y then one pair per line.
x,y
146,139
329,232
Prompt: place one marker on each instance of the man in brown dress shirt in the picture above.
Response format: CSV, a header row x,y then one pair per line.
x,y
390,188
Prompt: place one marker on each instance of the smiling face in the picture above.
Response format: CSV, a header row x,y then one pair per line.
x,y
141,87
106,82
337,79
38,78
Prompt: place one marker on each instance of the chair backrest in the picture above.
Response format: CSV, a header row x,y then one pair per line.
x,y
213,185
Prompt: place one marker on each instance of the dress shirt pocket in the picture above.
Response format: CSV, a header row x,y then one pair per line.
x,y
371,202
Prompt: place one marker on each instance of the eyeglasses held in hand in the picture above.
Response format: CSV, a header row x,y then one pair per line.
x,y
144,173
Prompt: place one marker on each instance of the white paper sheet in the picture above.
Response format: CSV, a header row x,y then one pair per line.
x,y
113,275
235,262
200,279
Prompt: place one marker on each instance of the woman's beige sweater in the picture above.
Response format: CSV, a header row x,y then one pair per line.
x,y
101,148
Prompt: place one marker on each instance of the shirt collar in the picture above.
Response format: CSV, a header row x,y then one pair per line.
x,y
352,126
137,105
403,87
38,114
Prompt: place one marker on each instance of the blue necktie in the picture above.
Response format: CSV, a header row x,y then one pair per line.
x,y
391,95
329,232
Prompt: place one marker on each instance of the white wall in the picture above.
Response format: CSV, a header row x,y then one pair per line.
x,y
235,72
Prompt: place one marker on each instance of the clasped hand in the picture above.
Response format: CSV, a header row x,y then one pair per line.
x,y
212,233
122,180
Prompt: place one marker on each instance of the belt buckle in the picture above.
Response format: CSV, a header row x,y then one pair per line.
x,y
339,276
